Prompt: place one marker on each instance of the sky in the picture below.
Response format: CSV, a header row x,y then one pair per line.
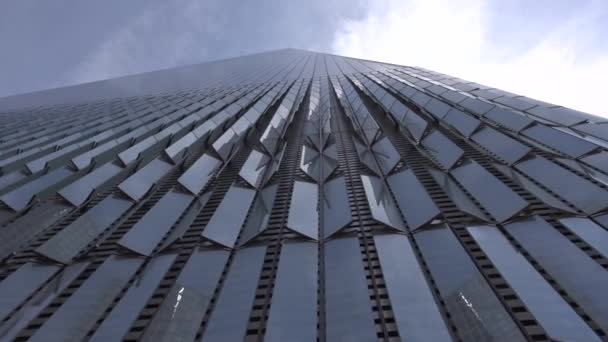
x,y
551,50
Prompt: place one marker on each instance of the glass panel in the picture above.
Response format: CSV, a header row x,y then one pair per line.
x,y
66,244
576,190
463,123
228,321
500,201
177,149
79,191
253,169
561,115
120,319
505,148
150,229
259,215
227,220
42,162
225,144
386,155
21,284
536,190
590,232
381,203
563,142
553,313
139,183
348,312
39,301
476,106
414,125
437,108
295,287
579,275
19,198
473,306
415,203
303,214
132,153
459,197
509,119
197,176
416,312
79,313
181,312
599,160
442,149
336,207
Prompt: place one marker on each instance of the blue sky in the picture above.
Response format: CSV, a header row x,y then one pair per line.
x,y
547,49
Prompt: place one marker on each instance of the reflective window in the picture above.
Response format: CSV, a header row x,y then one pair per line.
x,y
303,215
253,169
442,149
599,160
381,203
21,284
560,115
536,190
150,229
227,220
576,190
504,147
500,201
414,125
473,306
132,153
563,142
19,198
41,300
553,313
197,176
416,313
180,315
590,232
459,197
336,207
386,154
415,203
579,275
79,191
509,119
476,106
348,312
228,321
437,108
66,244
295,287
139,183
463,123
120,319
259,214
84,307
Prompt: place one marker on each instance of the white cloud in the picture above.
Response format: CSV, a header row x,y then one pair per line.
x,y
450,37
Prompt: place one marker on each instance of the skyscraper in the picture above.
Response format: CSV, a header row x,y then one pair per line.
x,y
299,196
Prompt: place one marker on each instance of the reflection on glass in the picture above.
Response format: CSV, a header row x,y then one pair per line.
x,y
380,202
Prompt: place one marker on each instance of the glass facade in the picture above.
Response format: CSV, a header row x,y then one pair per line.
x,y
300,196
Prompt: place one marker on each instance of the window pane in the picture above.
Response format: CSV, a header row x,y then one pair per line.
x,y
145,235
553,313
347,305
295,287
228,321
416,312
227,220
336,211
475,310
415,203
579,275
500,201
303,215
139,183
